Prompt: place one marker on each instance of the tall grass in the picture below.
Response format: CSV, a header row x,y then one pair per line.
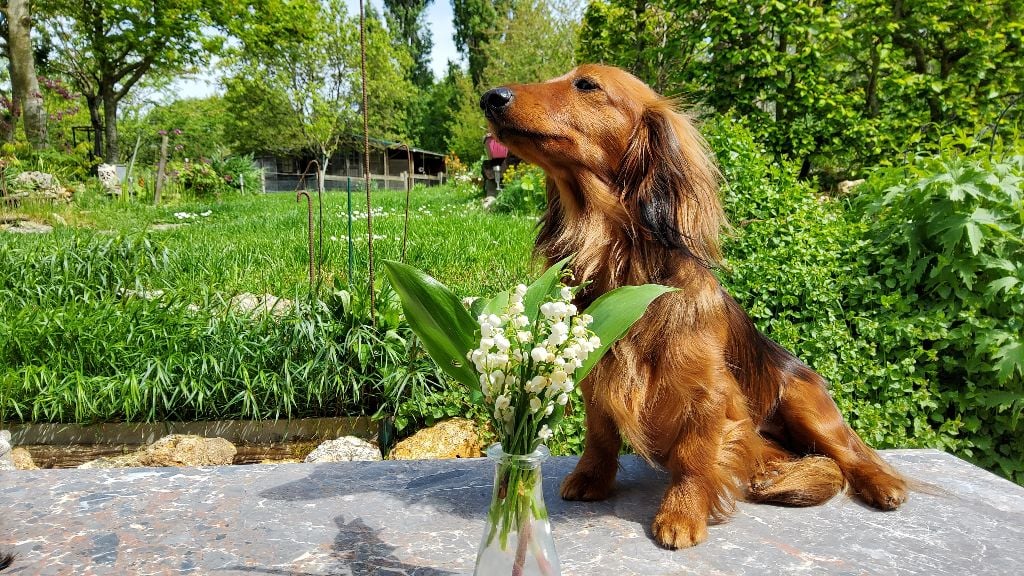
x,y
83,339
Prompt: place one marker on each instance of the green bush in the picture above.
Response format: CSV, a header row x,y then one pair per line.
x,y
200,180
523,190
237,173
793,263
907,297
945,252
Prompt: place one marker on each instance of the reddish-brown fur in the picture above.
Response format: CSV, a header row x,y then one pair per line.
x,y
633,194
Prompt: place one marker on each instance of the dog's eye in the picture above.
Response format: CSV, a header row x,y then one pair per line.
x,y
585,85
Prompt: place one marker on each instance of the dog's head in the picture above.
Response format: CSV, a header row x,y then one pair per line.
x,y
609,143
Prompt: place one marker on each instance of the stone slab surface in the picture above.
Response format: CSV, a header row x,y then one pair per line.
x,y
424,518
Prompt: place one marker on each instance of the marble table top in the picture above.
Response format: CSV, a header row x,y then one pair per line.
x,y
425,518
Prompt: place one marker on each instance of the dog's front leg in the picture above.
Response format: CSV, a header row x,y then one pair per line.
x,y
703,482
595,472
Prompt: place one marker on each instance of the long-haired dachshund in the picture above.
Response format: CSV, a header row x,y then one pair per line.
x,y
633,194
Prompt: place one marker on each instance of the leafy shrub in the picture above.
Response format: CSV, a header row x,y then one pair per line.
x,y
200,180
523,190
792,262
946,252
74,165
238,173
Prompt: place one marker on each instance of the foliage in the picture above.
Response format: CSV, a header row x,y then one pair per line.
x,y
199,126
95,348
473,21
946,241
80,340
106,47
792,262
531,43
70,166
523,190
308,86
467,126
529,345
407,23
907,297
199,179
836,86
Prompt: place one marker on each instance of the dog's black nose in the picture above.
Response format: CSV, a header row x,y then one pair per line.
x,y
495,99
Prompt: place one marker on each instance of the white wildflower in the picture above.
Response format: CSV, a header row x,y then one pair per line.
x,y
501,342
563,398
539,354
566,293
502,403
544,433
535,405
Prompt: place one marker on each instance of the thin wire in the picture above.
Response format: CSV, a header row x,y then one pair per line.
x,y
366,160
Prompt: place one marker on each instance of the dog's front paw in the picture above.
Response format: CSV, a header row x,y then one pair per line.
x,y
676,530
585,487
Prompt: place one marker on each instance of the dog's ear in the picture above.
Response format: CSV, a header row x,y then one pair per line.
x,y
669,184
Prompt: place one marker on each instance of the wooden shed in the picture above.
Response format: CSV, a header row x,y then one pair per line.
x,y
389,168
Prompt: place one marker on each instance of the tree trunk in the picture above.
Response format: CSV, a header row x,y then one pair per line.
x,y
24,82
110,124
871,90
96,121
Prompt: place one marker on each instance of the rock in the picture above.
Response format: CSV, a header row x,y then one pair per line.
x,y
846,186
36,185
6,459
23,459
173,450
344,449
488,202
455,438
26,227
163,227
256,304
107,173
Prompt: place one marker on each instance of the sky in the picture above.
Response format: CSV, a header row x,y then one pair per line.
x,y
439,18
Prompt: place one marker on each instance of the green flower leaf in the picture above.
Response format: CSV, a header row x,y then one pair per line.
x,y
440,320
614,314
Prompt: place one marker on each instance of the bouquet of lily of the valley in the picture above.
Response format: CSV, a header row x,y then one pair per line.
x,y
521,353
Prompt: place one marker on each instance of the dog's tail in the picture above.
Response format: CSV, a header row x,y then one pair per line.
x,y
790,480
6,560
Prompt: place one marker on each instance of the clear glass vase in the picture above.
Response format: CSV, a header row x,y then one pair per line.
x,y
517,537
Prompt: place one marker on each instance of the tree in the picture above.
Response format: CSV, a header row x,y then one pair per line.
x,y
533,42
302,93
406,22
28,99
834,86
201,121
105,47
474,21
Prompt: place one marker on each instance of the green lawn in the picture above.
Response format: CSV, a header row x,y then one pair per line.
x,y
258,243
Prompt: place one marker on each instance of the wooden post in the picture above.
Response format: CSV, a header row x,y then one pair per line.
x,y
161,169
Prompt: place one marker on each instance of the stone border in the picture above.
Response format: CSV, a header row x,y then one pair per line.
x,y
235,431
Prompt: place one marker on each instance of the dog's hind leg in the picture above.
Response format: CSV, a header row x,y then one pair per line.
x,y
814,425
